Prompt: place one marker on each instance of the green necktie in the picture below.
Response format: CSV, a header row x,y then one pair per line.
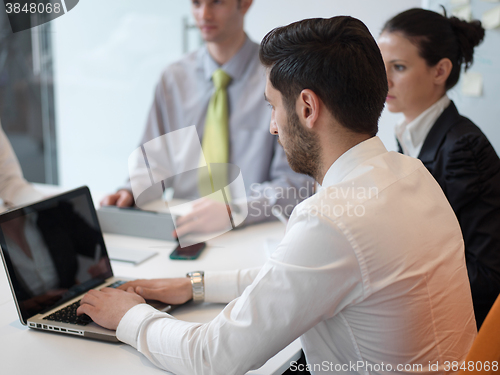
x,y
215,142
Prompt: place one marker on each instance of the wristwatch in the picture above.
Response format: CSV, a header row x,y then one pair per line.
x,y
198,283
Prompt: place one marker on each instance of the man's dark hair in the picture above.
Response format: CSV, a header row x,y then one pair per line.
x,y
337,59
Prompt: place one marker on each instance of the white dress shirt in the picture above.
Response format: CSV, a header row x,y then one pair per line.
x,y
14,189
411,136
371,271
181,100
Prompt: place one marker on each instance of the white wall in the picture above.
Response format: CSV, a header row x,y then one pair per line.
x,y
483,110
109,55
107,63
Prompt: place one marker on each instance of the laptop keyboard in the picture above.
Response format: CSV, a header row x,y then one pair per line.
x,y
68,313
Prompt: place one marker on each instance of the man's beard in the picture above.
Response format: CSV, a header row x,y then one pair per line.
x,y
302,147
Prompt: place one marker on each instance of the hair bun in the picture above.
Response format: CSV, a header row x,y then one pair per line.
x,y
469,35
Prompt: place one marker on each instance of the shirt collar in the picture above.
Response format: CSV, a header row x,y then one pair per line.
x,y
411,136
352,158
235,67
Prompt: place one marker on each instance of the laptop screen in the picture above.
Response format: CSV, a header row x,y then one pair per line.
x,y
53,251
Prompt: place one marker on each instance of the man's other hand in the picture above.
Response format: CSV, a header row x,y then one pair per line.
x,y
171,291
207,216
122,198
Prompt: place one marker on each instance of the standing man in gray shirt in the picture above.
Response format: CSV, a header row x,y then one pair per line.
x,y
181,100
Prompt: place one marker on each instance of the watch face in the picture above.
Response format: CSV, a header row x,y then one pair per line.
x,y
198,286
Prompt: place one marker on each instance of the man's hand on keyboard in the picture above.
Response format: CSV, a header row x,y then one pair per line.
x,y
108,306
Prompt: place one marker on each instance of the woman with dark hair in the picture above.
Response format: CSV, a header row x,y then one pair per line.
x,y
424,52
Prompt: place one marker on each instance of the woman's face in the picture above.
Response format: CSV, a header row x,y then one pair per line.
x,y
412,83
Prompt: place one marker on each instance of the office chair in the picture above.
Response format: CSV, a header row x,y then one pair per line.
x,y
486,346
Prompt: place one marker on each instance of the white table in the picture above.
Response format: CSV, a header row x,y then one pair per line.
x,y
28,351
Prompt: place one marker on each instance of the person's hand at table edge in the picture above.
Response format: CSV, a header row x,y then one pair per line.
x,y
207,216
122,198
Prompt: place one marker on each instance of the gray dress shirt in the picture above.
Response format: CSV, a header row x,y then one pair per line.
x,y
181,100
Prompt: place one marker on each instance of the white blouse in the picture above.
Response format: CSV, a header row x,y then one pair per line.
x,y
411,136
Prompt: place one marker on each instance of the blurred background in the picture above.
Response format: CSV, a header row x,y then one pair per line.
x,y
75,92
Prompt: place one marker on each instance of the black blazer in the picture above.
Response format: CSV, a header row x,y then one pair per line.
x,y
467,168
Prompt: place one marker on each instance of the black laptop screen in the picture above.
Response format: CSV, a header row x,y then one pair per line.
x,y
53,251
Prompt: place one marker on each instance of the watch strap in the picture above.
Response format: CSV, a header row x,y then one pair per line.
x,y
198,284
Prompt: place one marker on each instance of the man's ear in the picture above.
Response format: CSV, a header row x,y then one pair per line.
x,y
442,71
245,5
308,106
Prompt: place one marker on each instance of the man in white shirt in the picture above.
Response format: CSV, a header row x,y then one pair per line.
x,y
371,271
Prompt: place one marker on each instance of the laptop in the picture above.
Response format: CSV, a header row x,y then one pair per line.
x,y
54,252
133,221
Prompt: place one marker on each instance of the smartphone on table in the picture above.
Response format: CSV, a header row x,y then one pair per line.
x,y
188,252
